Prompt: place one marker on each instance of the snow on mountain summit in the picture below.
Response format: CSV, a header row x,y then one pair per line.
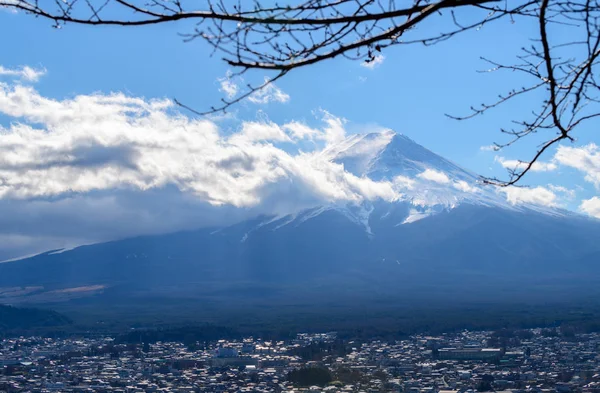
x,y
426,184
420,176
387,154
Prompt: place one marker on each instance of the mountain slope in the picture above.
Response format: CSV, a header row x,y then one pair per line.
x,y
470,245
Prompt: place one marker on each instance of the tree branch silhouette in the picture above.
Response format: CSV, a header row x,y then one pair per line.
x,y
280,38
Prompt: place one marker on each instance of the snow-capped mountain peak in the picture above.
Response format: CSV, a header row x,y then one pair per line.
x,y
427,184
387,154
421,176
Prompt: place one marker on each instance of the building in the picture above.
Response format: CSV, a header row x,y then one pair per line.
x,y
469,353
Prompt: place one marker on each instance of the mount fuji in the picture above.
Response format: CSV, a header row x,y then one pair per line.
x,y
445,235
427,183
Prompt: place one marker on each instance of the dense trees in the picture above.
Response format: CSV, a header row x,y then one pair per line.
x,y
29,318
189,335
309,376
317,351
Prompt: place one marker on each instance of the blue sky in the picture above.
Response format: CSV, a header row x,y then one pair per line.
x,y
409,92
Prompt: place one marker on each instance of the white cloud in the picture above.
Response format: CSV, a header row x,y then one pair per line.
x,y
374,63
254,131
301,131
25,73
334,131
591,206
269,93
489,148
537,196
464,186
228,86
403,182
569,194
538,166
434,176
586,159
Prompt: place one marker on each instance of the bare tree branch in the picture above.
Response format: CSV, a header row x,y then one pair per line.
x,y
279,38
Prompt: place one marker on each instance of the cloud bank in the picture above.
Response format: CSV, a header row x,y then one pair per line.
x,y
103,142
99,167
